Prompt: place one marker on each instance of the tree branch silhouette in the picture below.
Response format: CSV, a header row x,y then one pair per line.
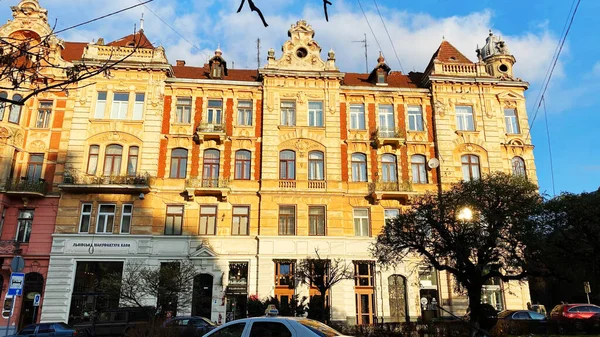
x,y
254,8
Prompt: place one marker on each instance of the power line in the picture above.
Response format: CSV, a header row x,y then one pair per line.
x,y
103,16
388,34
369,24
552,67
174,30
549,148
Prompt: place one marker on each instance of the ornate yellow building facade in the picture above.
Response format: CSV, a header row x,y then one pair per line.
x,y
246,172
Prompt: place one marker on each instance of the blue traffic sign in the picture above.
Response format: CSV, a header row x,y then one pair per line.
x,y
36,300
15,285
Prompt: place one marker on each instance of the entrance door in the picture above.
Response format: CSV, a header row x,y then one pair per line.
x,y
365,306
202,296
397,289
34,284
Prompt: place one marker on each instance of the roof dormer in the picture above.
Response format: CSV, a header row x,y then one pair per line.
x,y
217,65
379,75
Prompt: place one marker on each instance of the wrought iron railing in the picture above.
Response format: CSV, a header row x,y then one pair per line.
x,y
25,185
199,183
389,133
85,179
391,186
211,128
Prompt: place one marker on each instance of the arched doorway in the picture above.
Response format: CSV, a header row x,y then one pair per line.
x,y
202,296
34,284
397,292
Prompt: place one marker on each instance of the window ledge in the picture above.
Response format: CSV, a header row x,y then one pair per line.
x,y
417,131
467,132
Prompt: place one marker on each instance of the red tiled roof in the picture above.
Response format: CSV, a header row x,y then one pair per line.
x,y
395,80
138,38
203,73
73,51
448,53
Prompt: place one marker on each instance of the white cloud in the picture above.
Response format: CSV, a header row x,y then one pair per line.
x,y
596,69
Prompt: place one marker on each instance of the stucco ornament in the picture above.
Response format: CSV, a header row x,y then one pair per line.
x,y
440,108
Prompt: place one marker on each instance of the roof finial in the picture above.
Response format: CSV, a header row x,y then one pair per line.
x,y
142,23
491,33
381,59
218,52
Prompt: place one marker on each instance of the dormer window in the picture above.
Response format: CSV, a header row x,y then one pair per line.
x,y
381,77
216,71
217,65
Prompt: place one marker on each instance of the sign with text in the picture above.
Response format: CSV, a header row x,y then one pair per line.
x,y
15,285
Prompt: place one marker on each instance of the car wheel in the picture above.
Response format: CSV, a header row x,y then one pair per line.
x,y
579,326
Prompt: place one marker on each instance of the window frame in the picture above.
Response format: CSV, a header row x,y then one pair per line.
x,y
15,109
100,107
123,216
385,115
284,166
214,113
174,215
359,231
113,158
470,164
415,118
288,113
138,106
35,168
23,234
83,213
292,216
96,156
183,110
519,168
512,122
44,114
317,217
243,166
239,217
211,166
389,169
357,117
315,115
106,215
245,113
279,276
3,105
359,168
316,167
119,105
134,157
205,215
180,159
385,212
419,169
465,118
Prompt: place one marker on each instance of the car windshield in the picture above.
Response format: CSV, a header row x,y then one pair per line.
x,y
63,326
208,321
505,313
319,328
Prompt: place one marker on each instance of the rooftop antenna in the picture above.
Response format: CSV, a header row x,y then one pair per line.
x,y
258,52
364,42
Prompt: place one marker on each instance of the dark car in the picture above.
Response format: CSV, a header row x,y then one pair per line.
x,y
48,330
489,316
203,325
116,322
527,315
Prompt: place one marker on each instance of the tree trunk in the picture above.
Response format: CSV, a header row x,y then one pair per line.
x,y
475,309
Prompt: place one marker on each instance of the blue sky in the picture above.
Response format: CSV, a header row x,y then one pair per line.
x,y
531,28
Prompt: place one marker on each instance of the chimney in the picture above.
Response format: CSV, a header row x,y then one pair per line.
x,y
180,63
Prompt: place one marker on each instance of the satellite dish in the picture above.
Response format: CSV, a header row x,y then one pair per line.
x,y
433,163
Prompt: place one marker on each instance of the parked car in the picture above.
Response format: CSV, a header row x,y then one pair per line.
x,y
578,317
116,322
274,327
521,322
48,330
202,324
528,315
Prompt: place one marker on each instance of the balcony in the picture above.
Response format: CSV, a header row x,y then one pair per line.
x,y
24,187
209,131
8,247
392,137
303,185
390,190
203,186
117,184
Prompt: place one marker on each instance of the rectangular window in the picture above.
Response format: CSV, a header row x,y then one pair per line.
x,y
24,223
126,218
361,222
512,123
93,159
44,114
100,105
288,113
390,214
174,220
464,118
315,114
284,273
106,219
357,117
240,220
132,160
119,105
183,110
214,112
138,107
316,220
287,220
245,113
14,115
238,273
387,126
415,118
363,274
85,219
34,167
208,220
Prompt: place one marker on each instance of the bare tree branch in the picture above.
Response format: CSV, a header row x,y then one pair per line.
x,y
254,8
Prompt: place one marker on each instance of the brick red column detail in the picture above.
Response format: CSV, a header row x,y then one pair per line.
x,y
343,122
162,158
195,146
229,117
166,122
344,162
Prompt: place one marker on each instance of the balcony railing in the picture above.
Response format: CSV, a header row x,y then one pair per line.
x,y
25,186
287,184
391,186
317,184
200,183
210,131
388,133
111,183
210,128
388,137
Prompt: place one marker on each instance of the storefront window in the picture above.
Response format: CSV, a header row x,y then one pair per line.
x,y
428,293
492,293
237,291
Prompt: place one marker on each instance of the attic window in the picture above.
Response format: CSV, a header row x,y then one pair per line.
x,y
131,44
216,70
381,78
452,58
301,52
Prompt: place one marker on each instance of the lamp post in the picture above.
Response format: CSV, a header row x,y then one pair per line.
x,y
465,214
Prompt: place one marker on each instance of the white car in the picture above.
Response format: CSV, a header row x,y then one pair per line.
x,y
274,327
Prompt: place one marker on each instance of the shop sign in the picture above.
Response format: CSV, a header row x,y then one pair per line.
x,y
236,290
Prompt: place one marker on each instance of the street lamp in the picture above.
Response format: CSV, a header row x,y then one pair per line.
x,y
465,214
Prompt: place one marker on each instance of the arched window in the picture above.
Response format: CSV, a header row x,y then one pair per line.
x,y
470,167
3,94
93,159
419,172
287,165
242,164
359,167
210,168
15,110
316,165
132,160
518,167
389,168
178,163
112,160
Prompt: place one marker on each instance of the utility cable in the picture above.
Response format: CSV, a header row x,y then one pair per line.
x,y
549,147
389,36
173,29
369,24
